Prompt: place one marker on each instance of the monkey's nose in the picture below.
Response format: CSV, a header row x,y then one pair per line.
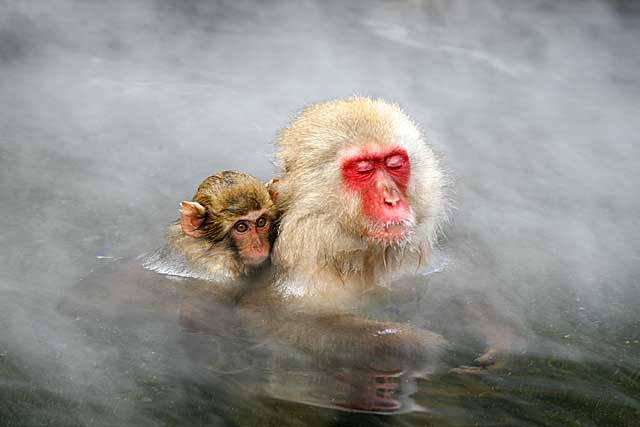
x,y
391,197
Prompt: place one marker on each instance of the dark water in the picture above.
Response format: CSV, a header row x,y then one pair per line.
x,y
112,113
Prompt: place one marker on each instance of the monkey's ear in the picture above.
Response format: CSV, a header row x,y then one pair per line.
x,y
191,218
272,188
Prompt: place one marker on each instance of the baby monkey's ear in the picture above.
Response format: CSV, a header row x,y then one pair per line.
x,y
192,218
272,188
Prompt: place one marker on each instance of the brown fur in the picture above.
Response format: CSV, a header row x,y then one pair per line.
x,y
212,256
226,196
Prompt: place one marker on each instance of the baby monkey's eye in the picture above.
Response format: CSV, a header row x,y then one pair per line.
x,y
261,222
241,226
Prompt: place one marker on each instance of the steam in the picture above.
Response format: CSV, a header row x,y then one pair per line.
x,y
113,112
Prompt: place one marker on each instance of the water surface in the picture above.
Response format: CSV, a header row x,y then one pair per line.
x,y
112,113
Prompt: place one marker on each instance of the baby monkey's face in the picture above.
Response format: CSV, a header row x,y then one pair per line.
x,y
234,212
250,236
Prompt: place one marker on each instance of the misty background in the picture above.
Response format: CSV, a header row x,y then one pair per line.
x,y
112,112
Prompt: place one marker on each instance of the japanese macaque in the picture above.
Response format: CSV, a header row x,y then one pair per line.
x,y
223,233
362,201
362,196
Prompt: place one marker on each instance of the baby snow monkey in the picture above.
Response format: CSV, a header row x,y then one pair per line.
x,y
224,233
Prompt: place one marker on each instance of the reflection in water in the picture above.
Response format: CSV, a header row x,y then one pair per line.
x,y
195,333
179,349
333,372
344,388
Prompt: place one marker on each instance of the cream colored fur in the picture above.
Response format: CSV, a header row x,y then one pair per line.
x,y
322,243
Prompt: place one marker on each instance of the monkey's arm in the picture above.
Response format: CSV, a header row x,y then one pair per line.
x,y
347,339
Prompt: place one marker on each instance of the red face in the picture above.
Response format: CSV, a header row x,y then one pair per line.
x,y
250,234
380,178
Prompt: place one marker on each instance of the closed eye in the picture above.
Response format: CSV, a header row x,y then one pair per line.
x,y
395,162
364,167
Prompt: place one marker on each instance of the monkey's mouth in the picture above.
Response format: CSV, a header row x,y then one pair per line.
x,y
390,231
254,261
